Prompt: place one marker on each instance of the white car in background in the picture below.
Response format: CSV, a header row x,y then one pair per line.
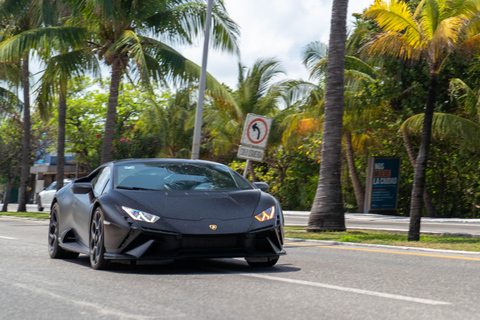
x,y
45,197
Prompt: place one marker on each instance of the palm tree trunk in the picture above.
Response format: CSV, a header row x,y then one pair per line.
x,y
327,212
23,194
357,185
421,163
427,199
10,179
62,113
117,70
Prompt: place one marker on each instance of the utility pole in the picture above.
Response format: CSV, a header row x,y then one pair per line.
x,y
197,132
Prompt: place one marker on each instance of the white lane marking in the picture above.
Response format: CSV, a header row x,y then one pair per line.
x,y
353,290
8,238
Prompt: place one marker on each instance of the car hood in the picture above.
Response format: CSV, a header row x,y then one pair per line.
x,y
198,205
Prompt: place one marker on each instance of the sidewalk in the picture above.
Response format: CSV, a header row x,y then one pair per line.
x,y
367,221
382,217
12,207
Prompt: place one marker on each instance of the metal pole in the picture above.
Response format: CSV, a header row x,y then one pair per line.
x,y
197,132
247,164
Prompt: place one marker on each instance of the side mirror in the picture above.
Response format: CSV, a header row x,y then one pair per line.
x,y
262,186
82,188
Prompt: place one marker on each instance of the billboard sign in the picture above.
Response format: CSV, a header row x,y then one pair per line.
x,y
382,184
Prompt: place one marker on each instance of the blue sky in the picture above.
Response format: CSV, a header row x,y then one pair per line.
x,y
273,29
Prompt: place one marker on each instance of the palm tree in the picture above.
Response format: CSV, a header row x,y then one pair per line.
x,y
432,32
121,39
327,211
54,82
357,73
257,93
10,110
172,120
19,16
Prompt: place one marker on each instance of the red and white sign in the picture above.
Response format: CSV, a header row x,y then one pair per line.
x,y
256,131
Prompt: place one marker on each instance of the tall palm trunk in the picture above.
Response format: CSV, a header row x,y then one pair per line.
x,y
357,185
10,179
421,163
23,194
427,199
62,113
327,211
117,71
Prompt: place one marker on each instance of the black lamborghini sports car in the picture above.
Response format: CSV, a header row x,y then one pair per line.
x,y
165,209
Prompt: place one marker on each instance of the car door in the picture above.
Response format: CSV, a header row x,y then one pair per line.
x,y
47,195
84,204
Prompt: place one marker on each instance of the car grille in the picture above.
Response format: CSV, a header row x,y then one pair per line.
x,y
210,242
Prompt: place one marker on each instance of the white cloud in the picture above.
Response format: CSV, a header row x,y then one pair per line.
x,y
273,29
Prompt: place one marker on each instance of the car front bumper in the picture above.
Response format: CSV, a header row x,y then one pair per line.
x,y
153,245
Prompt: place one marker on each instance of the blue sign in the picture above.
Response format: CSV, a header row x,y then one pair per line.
x,y
383,179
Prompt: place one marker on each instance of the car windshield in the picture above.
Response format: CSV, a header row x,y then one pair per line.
x,y
53,186
177,176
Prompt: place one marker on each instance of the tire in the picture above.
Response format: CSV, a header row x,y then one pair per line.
x,y
261,262
54,250
40,208
97,248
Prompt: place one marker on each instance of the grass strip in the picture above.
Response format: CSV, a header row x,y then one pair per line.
x,y
33,215
388,238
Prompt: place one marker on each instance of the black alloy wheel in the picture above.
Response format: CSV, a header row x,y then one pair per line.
x,y
54,250
97,248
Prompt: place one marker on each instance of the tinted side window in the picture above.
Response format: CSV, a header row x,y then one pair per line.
x,y
101,180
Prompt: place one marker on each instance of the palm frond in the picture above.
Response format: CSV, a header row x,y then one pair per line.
x,y
465,131
396,18
394,44
60,38
59,71
9,103
184,21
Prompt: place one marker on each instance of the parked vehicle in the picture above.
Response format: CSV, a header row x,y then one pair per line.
x,y
45,197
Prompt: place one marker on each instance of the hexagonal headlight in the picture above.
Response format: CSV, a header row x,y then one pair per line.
x,y
140,215
266,214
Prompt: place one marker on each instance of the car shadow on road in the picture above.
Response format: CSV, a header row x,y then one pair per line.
x,y
190,266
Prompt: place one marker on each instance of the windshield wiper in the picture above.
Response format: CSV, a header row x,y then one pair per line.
x,y
135,188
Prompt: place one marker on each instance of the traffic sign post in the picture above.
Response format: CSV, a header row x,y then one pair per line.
x,y
254,138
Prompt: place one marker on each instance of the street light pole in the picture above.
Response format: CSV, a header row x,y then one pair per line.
x,y
197,132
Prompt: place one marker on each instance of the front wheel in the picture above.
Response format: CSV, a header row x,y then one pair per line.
x,y
97,238
54,250
261,262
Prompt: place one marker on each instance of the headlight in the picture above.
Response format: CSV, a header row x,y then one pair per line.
x,y
266,215
140,215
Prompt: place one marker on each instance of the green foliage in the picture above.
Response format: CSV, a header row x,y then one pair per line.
x,y
292,174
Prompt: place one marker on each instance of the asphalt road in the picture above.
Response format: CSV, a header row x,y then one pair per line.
x,y
315,280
